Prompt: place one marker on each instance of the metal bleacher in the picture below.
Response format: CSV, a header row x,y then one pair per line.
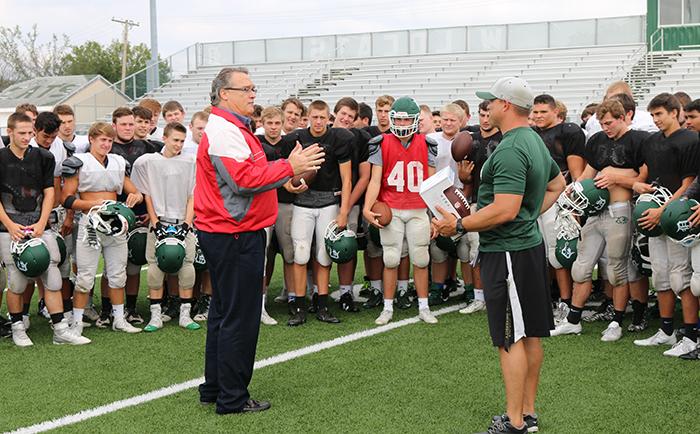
x,y
576,76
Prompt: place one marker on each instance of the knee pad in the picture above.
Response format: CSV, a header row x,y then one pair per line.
x,y
392,256
302,251
420,256
16,281
52,279
132,269
581,272
84,283
678,282
118,280
437,254
186,276
154,276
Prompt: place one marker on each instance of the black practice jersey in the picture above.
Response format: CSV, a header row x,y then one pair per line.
x,y
359,152
22,183
155,144
482,148
670,159
563,140
471,128
274,152
337,144
6,140
623,153
374,131
131,151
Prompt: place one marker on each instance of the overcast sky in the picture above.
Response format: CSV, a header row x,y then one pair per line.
x,y
182,23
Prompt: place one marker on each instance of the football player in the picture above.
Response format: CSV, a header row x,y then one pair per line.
x,y
326,200
29,250
167,182
484,142
614,158
346,111
401,161
566,143
92,182
673,157
292,109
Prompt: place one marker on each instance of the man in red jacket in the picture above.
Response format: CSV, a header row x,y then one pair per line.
x,y
235,199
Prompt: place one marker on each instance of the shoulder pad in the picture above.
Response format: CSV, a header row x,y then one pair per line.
x,y
376,139
70,166
70,147
431,141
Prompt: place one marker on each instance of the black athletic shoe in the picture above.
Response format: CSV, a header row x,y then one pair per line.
x,y
529,419
104,321
412,291
172,310
313,307
133,317
347,303
450,287
434,296
250,406
5,327
692,355
298,318
325,315
374,300
403,301
504,427
366,289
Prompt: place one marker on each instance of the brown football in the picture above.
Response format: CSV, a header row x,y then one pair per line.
x,y
307,177
461,146
458,200
384,211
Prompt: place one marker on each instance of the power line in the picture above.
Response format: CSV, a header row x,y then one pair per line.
x,y
125,41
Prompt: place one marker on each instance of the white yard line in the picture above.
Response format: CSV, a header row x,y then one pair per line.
x,y
177,388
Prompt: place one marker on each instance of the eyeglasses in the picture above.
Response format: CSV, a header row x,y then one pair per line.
x,y
246,89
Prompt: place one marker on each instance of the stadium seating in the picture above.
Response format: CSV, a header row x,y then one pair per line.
x,y
576,76
679,74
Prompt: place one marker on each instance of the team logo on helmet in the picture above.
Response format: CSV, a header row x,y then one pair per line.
x,y
341,245
30,256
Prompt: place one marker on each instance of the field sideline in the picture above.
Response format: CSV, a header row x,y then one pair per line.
x,y
416,378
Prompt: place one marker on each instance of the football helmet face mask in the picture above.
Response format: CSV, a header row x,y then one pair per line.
x,y
567,226
112,218
31,256
583,198
200,262
137,245
170,254
675,224
404,108
341,245
640,255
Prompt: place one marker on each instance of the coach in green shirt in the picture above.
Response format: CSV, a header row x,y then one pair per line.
x,y
519,181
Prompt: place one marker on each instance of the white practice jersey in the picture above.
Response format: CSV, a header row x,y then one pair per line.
x,y
444,155
94,176
169,182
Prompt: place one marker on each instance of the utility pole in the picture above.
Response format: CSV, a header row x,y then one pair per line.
x,y
153,70
125,44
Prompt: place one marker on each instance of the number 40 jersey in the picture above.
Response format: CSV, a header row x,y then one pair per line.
x,y
403,168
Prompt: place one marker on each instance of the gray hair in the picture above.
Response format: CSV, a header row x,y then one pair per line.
x,y
221,81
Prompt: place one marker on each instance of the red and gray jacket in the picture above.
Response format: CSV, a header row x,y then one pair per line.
x,y
235,188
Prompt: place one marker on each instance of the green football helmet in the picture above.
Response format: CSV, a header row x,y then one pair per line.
x,y
648,201
447,244
170,254
640,255
404,108
137,245
583,198
374,235
675,224
566,251
112,218
31,256
341,245
61,248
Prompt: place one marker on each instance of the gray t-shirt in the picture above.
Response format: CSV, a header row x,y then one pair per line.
x,y
169,182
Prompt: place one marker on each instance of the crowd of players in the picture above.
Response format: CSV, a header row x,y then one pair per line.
x,y
124,193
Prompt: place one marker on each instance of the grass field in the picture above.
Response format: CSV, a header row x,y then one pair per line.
x,y
416,378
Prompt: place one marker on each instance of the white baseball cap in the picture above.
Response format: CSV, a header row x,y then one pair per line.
x,y
512,89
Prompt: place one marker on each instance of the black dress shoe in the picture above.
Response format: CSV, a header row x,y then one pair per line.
x,y
325,315
252,406
298,318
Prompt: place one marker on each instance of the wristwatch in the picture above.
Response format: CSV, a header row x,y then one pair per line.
x,y
459,227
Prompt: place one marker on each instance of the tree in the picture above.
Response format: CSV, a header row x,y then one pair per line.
x,y
22,57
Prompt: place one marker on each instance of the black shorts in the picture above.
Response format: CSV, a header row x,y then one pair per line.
x,y
523,308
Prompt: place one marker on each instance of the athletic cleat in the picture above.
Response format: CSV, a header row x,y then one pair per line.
x,y
19,335
659,338
347,303
604,312
375,299
529,419
313,307
366,289
172,309
384,317
26,322
133,317
473,307
77,329
681,347
43,310
91,314
427,316
266,319
282,297
566,328
412,291
104,321
298,318
63,334
185,320
434,296
634,328
122,325
692,355
560,312
156,322
612,333
5,327
403,301
325,315
202,308
504,427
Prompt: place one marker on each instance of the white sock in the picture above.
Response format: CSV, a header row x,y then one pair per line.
x,y
118,311
403,286
478,294
344,289
422,303
389,304
78,315
376,284
315,289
